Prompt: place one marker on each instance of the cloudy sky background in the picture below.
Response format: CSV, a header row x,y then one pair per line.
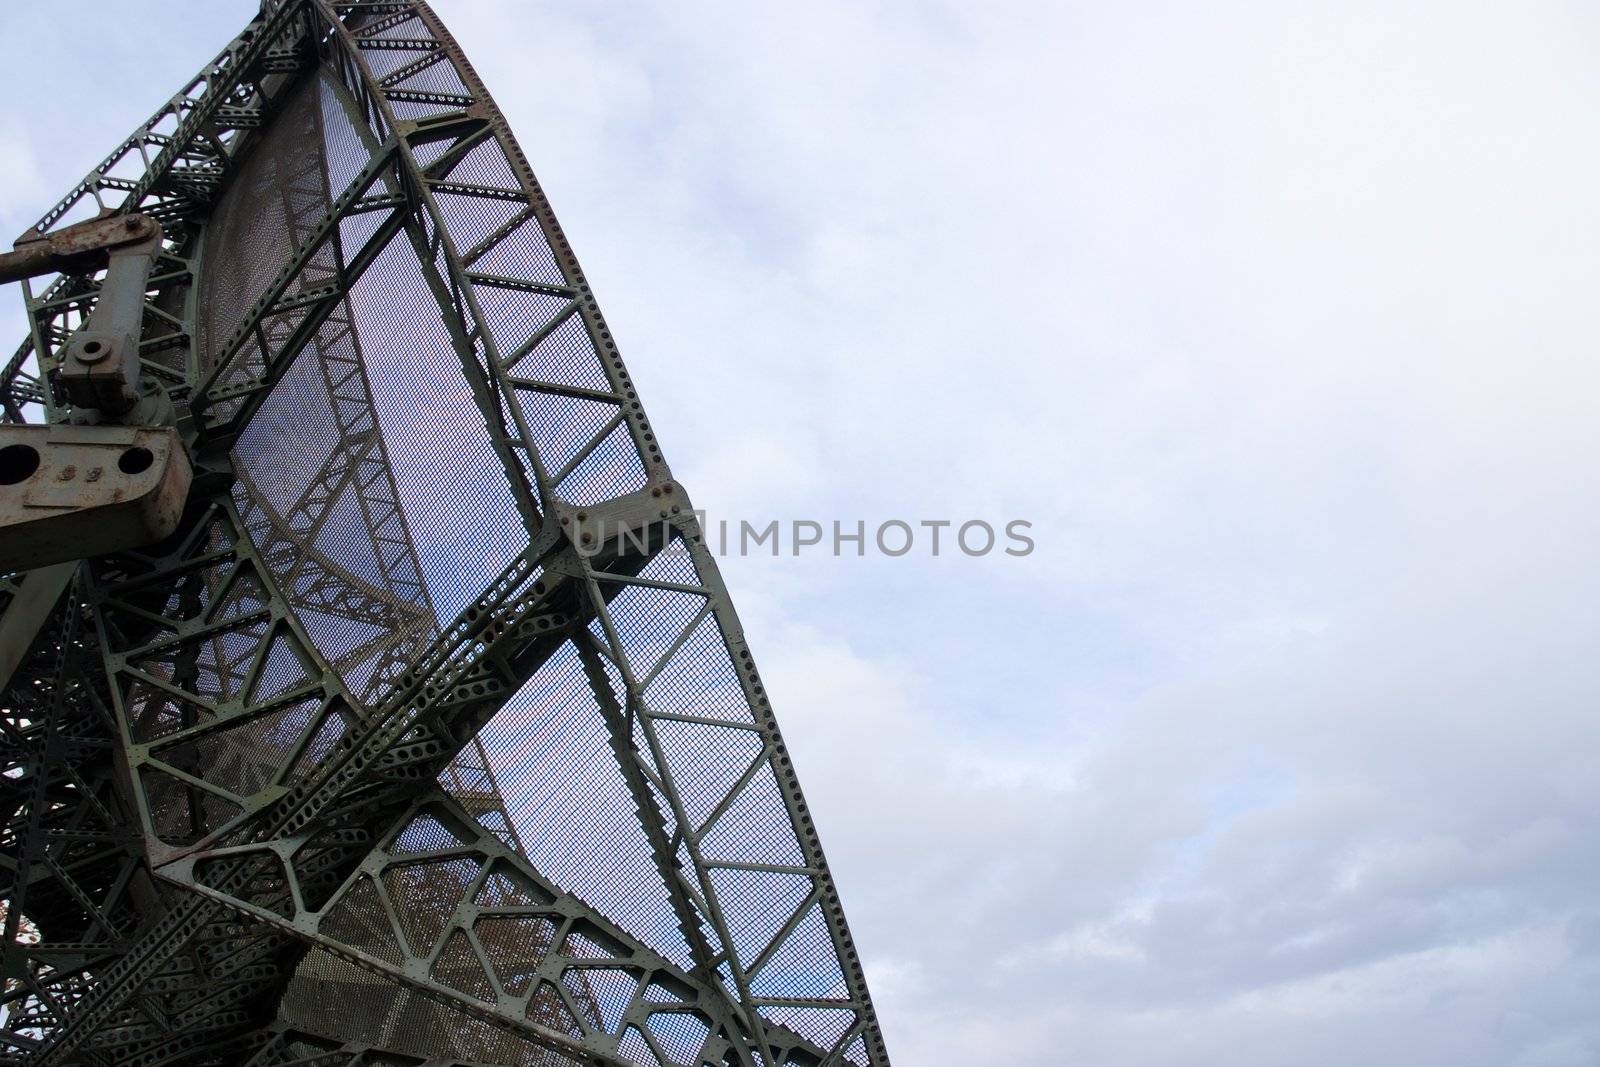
x,y
1277,321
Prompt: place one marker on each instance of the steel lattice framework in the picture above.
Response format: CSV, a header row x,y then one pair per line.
x,y
431,736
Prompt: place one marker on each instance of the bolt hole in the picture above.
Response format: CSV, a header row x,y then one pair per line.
x,y
92,347
17,463
135,460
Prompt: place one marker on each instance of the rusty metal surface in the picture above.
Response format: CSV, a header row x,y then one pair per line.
x,y
67,492
75,249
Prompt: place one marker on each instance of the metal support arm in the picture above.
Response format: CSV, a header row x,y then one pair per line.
x,y
100,365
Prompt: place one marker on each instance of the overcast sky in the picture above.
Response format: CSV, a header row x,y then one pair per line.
x,y
1278,321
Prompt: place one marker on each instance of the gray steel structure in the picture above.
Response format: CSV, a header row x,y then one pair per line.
x,y
431,735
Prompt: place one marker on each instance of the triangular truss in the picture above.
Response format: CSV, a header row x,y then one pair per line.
x,y
431,736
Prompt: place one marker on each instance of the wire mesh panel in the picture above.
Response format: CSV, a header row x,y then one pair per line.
x,y
575,815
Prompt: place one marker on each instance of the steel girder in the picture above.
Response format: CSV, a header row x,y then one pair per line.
x,y
252,818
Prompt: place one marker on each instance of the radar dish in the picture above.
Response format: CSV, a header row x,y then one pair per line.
x,y
429,732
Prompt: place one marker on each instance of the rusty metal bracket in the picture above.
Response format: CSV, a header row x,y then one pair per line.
x,y
75,249
100,364
67,492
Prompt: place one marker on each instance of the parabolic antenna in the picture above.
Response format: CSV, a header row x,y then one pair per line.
x,y
371,696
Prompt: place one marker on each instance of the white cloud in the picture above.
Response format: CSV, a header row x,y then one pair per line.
x,y
1276,320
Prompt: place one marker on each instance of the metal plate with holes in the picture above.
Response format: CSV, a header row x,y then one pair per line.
x,y
73,491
